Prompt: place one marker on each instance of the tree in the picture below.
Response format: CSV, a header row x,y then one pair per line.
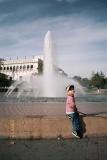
x,y
5,81
98,80
40,66
105,86
83,81
77,78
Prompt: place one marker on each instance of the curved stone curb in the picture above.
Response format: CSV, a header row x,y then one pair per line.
x,y
50,127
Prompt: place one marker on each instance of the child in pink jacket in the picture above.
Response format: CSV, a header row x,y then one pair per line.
x,y
72,112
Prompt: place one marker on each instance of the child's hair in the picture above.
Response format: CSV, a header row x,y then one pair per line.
x,y
70,87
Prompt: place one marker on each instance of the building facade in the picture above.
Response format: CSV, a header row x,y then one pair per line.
x,y
19,68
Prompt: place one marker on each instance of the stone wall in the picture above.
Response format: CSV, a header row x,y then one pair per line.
x,y
49,127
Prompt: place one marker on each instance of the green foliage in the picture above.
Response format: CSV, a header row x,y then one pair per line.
x,y
40,66
77,78
4,81
98,80
105,86
85,82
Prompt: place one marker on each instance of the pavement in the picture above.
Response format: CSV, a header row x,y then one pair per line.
x,y
24,109
93,148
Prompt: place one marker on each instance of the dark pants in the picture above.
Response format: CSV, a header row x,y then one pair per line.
x,y
75,119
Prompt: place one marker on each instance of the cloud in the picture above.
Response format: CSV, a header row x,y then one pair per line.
x,y
79,42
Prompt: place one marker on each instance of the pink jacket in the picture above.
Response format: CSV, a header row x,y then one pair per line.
x,y
70,104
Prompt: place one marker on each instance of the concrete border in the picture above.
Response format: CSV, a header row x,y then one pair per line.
x,y
49,127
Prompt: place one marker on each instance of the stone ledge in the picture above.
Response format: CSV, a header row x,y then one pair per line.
x,y
38,127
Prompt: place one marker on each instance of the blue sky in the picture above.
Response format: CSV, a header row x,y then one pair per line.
x,y
79,28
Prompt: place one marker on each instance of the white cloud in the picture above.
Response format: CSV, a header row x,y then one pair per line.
x,y
5,16
74,37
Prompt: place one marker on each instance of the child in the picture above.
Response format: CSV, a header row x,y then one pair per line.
x,y
72,112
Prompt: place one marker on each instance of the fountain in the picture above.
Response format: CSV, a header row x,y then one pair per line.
x,y
51,83
49,66
45,120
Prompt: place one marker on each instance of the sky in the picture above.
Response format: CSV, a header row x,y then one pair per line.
x,y
79,29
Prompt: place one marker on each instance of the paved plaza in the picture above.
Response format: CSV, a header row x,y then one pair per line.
x,y
25,109
53,149
57,149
